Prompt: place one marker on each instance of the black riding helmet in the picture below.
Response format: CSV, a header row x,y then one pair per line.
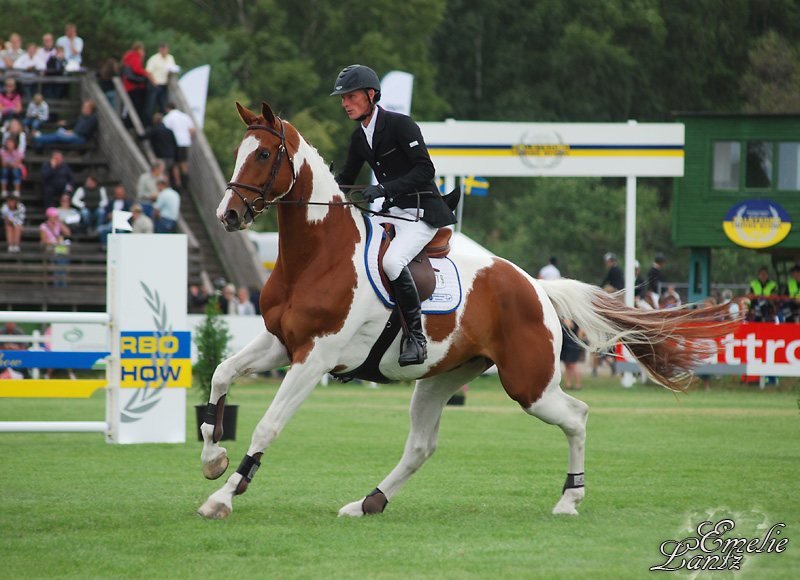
x,y
357,76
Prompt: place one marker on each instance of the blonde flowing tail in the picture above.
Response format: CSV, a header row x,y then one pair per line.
x,y
669,344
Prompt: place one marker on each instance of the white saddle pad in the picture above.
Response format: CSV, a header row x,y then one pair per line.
x,y
445,298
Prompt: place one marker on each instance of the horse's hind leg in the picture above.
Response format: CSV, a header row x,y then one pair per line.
x,y
265,352
557,408
429,398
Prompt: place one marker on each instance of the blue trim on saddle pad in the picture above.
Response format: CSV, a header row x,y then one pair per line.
x,y
445,298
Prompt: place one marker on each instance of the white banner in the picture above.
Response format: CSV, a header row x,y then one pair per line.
x,y
194,84
396,90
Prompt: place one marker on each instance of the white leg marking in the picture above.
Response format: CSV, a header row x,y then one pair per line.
x,y
429,398
557,408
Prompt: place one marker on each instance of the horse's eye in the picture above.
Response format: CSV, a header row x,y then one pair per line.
x,y
264,154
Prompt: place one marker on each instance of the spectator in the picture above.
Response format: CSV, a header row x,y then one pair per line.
x,y
792,306
82,131
166,208
198,297
11,329
136,79
761,308
550,271
13,51
183,128
160,65
55,244
47,49
30,66
91,200
118,203
571,350
56,66
68,214
56,179
38,112
105,78
13,212
15,131
243,305
162,140
10,100
733,306
141,223
227,301
72,45
615,279
12,165
639,289
654,280
146,189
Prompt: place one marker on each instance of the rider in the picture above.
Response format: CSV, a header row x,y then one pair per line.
x,y
392,145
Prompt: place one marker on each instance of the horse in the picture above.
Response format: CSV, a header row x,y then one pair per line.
x,y
322,315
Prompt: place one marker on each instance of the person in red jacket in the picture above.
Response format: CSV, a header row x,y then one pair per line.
x,y
136,79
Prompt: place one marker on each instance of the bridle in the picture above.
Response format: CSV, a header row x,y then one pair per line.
x,y
273,174
255,208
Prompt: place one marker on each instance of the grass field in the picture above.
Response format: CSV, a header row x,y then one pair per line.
x,y
72,506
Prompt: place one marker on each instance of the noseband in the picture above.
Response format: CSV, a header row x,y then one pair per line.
x,y
273,174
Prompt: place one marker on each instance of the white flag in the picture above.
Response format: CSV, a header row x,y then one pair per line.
x,y
119,220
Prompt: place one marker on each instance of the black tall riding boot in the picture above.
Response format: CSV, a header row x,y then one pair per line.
x,y
405,295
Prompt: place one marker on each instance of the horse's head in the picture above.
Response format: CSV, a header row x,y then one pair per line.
x,y
264,170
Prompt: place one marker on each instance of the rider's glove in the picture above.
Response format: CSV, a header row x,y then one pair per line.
x,y
373,192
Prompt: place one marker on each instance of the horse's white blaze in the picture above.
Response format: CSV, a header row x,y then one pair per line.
x,y
246,148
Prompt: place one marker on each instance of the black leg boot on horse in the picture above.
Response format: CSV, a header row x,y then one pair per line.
x,y
405,295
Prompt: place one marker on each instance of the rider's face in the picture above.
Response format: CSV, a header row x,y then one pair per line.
x,y
356,103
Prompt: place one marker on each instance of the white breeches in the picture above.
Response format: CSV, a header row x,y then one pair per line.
x,y
410,238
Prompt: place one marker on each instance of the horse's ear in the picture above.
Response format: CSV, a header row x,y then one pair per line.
x,y
266,112
247,116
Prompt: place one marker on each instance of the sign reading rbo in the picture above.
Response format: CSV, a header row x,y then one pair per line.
x,y
152,359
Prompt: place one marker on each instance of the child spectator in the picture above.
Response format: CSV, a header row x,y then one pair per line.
x,y
68,214
52,233
56,66
13,212
14,131
10,100
12,165
38,112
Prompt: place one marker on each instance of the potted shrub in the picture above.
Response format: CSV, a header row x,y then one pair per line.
x,y
211,337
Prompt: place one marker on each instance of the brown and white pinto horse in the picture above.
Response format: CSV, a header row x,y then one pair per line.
x,y
321,316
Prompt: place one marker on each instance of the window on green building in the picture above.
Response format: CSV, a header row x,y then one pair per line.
x,y
758,170
788,166
727,156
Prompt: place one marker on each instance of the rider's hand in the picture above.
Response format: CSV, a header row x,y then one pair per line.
x,y
373,192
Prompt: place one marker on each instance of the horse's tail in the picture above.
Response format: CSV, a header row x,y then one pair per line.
x,y
668,343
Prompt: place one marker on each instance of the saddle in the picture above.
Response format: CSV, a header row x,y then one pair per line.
x,y
420,267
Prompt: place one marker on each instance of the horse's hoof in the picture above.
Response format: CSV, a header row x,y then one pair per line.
x,y
569,501
352,510
214,469
214,510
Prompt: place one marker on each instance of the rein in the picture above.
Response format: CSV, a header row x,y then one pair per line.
x,y
264,191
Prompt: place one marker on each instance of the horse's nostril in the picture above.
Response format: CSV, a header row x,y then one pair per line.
x,y
231,218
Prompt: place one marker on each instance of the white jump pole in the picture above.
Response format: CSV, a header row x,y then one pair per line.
x,y
54,427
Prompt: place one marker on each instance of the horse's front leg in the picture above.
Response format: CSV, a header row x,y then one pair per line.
x,y
299,382
264,353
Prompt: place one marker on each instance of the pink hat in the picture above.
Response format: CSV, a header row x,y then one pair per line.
x,y
51,212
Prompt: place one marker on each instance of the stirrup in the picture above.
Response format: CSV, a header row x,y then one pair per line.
x,y
414,353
